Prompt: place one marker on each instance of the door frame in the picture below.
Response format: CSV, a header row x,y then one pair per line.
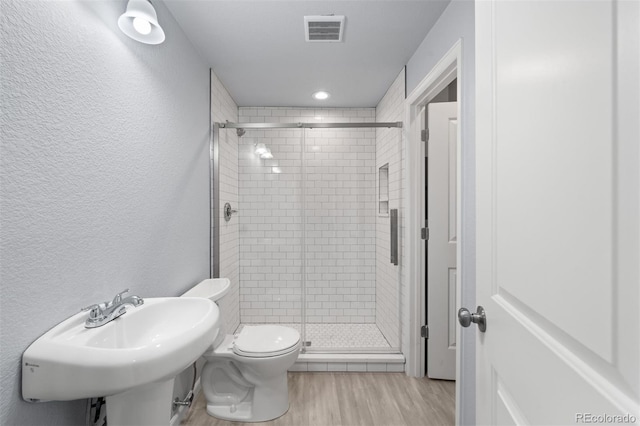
x,y
444,72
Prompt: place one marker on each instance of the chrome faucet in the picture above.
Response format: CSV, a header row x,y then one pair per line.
x,y
102,313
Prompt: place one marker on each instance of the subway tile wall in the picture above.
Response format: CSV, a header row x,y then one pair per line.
x,y
270,220
340,213
224,108
389,149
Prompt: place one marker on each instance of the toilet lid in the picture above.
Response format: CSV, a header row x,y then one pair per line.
x,y
265,340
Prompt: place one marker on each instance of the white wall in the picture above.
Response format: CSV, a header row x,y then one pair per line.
x,y
104,174
389,150
458,22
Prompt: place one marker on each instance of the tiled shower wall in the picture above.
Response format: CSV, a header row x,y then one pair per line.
x,y
270,228
340,214
389,151
223,108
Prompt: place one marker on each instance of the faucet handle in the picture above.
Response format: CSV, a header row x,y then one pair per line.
x,y
95,310
118,297
90,307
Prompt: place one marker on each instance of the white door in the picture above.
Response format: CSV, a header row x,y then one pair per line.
x,y
558,212
441,245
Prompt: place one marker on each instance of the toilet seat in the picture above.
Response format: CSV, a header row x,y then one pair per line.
x,y
260,341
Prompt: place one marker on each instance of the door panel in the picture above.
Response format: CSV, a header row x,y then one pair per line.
x,y
553,236
574,145
441,246
451,315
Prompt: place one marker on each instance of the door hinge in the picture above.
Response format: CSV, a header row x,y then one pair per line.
x,y
424,234
424,331
424,135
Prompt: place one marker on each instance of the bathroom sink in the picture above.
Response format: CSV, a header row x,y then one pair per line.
x,y
148,344
212,289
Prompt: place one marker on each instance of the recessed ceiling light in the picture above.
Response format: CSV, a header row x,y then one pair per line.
x,y
321,95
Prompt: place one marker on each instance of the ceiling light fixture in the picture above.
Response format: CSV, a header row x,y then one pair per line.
x,y
321,95
140,22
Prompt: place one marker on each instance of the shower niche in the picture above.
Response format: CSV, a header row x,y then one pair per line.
x,y
383,190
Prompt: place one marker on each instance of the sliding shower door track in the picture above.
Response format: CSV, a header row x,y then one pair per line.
x,y
230,125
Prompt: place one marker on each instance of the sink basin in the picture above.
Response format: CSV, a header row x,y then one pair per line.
x,y
212,289
148,344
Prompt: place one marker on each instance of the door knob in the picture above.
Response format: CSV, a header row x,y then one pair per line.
x,y
466,318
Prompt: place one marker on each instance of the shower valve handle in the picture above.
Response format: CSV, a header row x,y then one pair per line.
x,y
228,211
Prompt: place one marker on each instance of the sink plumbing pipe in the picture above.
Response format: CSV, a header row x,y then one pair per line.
x,y
96,405
188,400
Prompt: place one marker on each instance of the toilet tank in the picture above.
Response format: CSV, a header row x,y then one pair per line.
x,y
212,288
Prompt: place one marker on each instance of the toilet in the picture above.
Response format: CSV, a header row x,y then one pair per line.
x,y
245,376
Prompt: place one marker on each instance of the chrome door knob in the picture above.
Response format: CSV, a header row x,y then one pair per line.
x,y
465,318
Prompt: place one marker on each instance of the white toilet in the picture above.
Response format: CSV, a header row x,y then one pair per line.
x,y
245,377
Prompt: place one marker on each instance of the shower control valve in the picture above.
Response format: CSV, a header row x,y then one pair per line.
x,y
228,211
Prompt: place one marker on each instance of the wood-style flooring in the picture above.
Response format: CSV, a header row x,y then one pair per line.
x,y
332,399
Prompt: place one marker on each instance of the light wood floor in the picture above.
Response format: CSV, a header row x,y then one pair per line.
x,y
332,399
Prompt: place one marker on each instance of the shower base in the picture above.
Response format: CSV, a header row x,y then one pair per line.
x,y
346,347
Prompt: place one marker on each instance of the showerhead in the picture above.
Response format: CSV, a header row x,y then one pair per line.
x,y
240,132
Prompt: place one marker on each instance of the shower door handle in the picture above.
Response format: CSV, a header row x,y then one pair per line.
x,y
393,216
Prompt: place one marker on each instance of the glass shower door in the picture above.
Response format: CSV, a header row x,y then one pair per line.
x,y
347,241
313,237
271,229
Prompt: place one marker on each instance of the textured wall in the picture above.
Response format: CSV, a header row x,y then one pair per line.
x,y
104,174
223,108
389,150
340,217
457,22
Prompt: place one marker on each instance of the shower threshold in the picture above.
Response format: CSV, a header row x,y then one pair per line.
x,y
346,347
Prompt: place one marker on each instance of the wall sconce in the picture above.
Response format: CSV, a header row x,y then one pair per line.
x,y
140,22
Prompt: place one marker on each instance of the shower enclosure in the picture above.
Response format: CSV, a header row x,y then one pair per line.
x,y
314,229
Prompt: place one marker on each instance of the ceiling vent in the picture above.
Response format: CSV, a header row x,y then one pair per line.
x,y
325,28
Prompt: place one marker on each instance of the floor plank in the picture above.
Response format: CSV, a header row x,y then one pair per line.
x,y
354,399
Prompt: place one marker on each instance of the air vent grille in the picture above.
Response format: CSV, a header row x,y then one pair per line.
x,y
324,28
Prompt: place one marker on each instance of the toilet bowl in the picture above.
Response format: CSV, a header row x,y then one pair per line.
x,y
245,376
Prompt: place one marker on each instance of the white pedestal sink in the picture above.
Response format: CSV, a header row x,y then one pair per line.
x,y
132,360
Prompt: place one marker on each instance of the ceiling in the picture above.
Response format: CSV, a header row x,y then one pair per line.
x,y
257,47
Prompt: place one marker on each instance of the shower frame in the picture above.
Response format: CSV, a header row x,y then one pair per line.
x,y
214,172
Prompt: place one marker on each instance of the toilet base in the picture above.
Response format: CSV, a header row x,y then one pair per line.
x,y
265,402
242,413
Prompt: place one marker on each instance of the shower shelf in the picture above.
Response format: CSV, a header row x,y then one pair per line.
x,y
383,190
